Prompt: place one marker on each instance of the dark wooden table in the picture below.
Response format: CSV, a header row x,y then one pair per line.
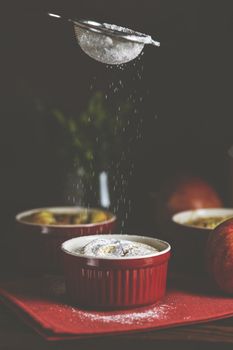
x,y
14,334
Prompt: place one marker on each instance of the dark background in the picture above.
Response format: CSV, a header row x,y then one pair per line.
x,y
186,88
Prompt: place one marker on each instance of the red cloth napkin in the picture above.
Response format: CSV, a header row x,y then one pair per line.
x,y
42,304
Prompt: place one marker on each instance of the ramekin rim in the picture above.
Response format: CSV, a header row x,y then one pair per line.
x,y
164,251
196,211
19,216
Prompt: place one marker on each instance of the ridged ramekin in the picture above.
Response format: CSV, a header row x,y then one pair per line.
x,y
39,245
102,283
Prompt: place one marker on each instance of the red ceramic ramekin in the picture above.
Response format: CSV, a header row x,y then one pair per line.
x,y
183,235
107,283
39,245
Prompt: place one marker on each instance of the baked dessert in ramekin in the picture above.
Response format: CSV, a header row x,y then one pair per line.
x,y
115,271
42,231
189,233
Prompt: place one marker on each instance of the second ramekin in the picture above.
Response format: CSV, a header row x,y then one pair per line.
x,y
189,241
39,244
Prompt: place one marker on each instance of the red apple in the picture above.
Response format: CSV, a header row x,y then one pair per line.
x,y
219,255
184,193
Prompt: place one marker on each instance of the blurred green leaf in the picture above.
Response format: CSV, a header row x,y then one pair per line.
x,y
96,135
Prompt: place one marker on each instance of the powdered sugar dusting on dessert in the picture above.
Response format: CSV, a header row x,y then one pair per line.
x,y
114,248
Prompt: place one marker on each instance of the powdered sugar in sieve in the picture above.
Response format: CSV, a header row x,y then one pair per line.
x,y
109,43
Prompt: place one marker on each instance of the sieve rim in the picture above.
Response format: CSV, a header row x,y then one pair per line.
x,y
103,29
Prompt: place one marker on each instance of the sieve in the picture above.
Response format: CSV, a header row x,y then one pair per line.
x,y
108,43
